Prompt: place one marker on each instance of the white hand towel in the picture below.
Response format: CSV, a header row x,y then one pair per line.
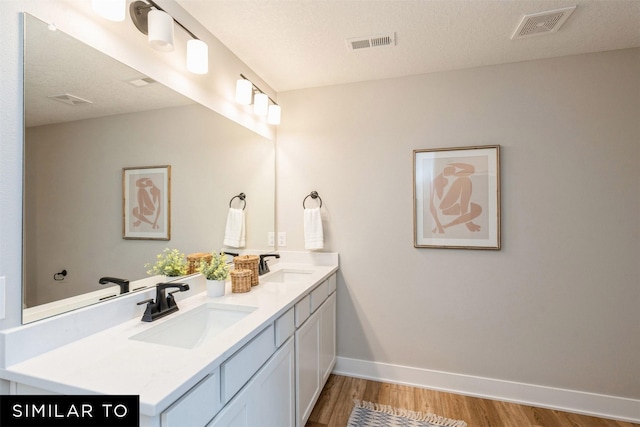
x,y
234,233
313,235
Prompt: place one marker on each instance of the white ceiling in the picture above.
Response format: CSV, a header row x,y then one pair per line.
x,y
295,44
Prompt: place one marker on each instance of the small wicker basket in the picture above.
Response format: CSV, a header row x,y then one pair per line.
x,y
193,261
248,262
240,280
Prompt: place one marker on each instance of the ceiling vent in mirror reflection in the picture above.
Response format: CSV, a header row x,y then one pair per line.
x,y
70,99
539,23
141,82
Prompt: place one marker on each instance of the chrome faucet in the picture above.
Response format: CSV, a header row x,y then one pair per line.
x,y
263,266
163,304
123,283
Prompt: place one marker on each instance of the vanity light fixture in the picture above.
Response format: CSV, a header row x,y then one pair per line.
x,y
248,93
244,91
152,20
160,30
260,104
113,10
197,56
273,116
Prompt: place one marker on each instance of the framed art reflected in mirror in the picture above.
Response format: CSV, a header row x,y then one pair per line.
x,y
146,203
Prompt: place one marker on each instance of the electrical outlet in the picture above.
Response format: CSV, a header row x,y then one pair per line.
x,y
271,239
282,238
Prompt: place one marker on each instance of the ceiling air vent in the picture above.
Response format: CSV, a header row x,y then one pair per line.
x,y
70,99
366,42
542,23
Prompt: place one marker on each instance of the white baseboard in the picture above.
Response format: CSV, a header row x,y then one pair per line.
x,y
598,405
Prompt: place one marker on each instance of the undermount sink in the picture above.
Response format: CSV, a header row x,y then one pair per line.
x,y
196,326
288,275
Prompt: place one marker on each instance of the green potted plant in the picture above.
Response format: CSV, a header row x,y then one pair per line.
x,y
216,272
170,263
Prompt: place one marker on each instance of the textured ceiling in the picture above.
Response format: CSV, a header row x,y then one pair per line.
x,y
301,44
296,44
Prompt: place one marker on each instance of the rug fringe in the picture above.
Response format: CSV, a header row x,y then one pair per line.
x,y
419,416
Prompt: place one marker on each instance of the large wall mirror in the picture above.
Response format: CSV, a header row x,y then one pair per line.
x,y
75,153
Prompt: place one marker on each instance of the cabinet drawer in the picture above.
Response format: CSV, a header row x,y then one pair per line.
x,y
332,283
319,294
285,327
198,405
303,310
237,370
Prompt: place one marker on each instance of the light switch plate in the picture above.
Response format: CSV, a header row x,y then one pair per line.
x,y
271,237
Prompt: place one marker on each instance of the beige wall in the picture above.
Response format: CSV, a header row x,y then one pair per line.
x,y
558,305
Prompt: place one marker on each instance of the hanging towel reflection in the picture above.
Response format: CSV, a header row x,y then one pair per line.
x,y
234,234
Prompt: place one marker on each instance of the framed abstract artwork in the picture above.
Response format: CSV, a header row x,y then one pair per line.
x,y
146,203
456,201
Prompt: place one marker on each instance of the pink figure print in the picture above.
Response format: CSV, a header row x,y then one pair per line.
x,y
148,198
450,201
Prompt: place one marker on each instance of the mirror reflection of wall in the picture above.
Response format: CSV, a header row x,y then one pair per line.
x,y
73,172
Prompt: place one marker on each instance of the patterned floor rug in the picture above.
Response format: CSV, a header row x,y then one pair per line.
x,y
367,414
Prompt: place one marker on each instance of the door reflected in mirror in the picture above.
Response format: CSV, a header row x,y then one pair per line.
x,y
75,152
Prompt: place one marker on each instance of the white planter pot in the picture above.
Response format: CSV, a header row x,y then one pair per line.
x,y
215,288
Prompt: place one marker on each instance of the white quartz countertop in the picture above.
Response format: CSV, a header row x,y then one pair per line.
x,y
109,362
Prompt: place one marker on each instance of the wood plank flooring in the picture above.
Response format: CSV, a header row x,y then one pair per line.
x,y
336,401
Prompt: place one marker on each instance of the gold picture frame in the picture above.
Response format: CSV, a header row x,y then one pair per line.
x,y
146,203
456,203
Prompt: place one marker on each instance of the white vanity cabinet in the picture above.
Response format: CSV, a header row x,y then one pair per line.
x,y
285,389
271,375
315,348
267,400
255,386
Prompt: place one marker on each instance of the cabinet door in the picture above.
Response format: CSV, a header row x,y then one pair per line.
x,y
272,391
234,414
267,400
327,338
315,357
307,367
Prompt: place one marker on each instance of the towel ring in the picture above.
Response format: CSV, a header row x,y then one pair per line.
x,y
313,195
240,196
58,277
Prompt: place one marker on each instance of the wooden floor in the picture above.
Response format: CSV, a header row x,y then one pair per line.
x,y
336,401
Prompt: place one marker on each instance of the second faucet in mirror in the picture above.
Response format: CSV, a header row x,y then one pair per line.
x,y
123,283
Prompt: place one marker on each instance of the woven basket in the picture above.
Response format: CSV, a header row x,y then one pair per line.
x,y
193,261
240,281
248,262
